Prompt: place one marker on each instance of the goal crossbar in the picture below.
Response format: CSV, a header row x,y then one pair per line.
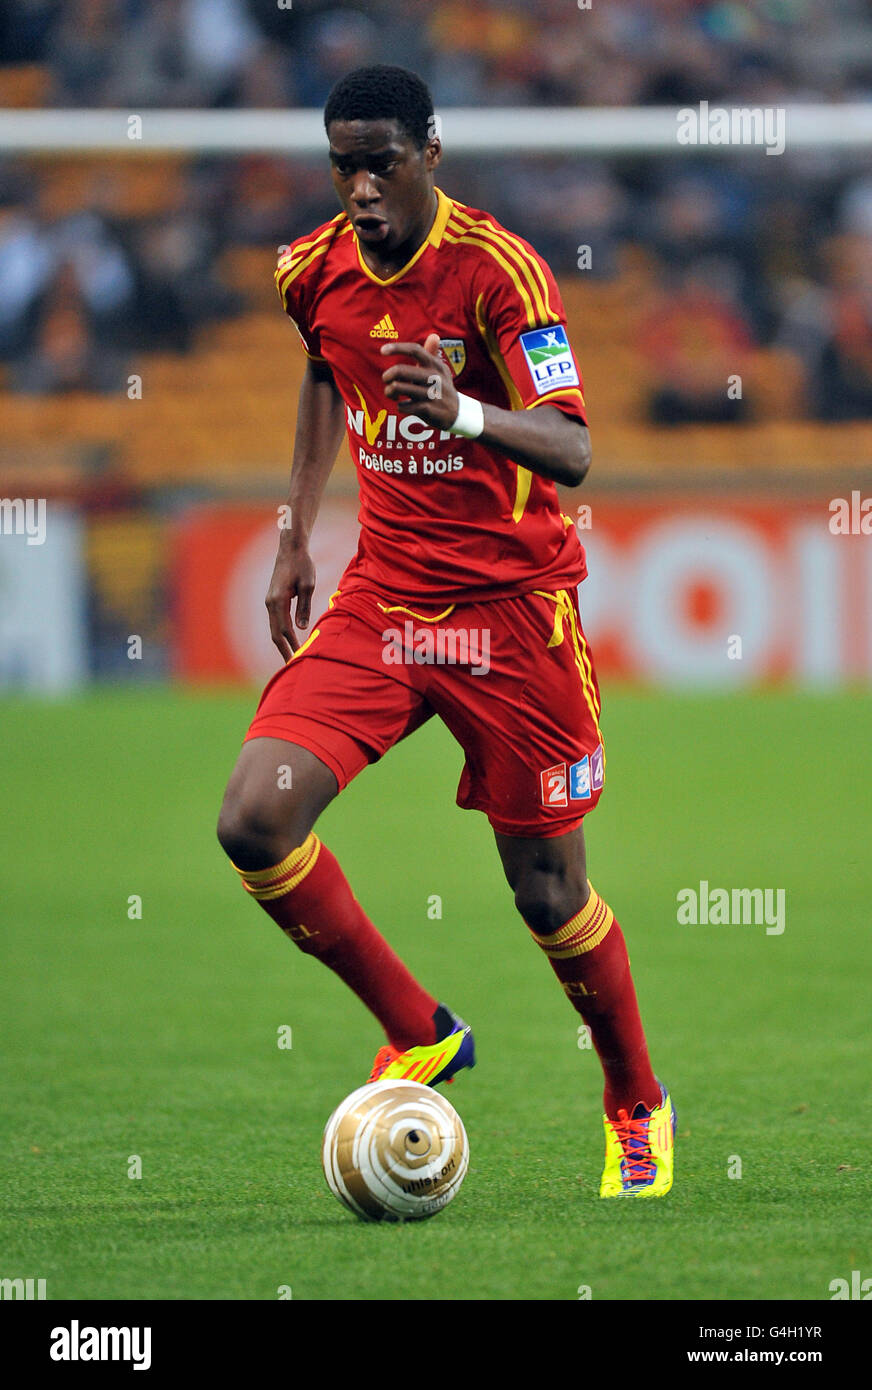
x,y
464,130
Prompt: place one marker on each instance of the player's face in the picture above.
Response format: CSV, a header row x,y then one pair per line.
x,y
384,181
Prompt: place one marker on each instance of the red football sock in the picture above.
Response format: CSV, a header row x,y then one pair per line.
x,y
308,895
588,955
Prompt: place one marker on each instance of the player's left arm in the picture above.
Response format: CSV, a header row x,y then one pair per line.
x,y
544,439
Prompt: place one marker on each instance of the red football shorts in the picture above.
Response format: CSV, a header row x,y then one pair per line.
x,y
511,678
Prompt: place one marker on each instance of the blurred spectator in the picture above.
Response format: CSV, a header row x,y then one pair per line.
x,y
153,67
473,52
333,44
25,265
560,205
267,80
747,254
85,50
276,200
695,341
220,39
486,48
67,354
24,29
177,288
845,388
174,53
697,213
32,250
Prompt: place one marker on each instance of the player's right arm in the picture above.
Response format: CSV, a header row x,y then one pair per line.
x,y
320,426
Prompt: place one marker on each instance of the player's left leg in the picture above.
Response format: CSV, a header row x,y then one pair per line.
x,y
585,946
578,932
332,709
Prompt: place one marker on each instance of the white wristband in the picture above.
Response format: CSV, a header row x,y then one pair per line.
x,y
470,417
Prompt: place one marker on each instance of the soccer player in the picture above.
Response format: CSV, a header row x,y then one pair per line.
x,y
438,340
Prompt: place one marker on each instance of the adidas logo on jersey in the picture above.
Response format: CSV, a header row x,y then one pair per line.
x,y
384,329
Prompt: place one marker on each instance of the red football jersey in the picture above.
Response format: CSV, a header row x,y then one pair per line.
x,y
443,517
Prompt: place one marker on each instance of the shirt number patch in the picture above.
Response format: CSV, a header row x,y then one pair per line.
x,y
549,358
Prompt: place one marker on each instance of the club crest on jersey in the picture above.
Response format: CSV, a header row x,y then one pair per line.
x,y
384,328
455,353
549,358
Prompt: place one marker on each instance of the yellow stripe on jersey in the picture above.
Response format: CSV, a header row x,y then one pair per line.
x,y
467,239
293,260
286,273
522,492
300,246
587,664
524,477
295,253
516,401
287,276
562,391
513,247
440,222
551,312
564,609
480,234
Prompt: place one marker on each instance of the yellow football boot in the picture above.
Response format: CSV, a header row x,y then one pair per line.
x,y
640,1151
430,1063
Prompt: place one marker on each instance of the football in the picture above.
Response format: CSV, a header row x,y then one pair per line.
x,y
395,1151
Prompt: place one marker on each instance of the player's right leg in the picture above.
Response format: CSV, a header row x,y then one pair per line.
x,y
274,797
329,712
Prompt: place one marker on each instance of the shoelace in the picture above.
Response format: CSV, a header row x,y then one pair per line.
x,y
633,1138
383,1059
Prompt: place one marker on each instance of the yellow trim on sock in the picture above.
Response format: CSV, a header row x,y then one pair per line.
x,y
581,933
296,856
581,919
265,884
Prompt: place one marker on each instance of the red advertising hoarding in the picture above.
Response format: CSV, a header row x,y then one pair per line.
x,y
682,593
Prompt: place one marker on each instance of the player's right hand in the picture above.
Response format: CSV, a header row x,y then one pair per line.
x,y
293,577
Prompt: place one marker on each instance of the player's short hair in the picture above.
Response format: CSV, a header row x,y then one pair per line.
x,y
383,93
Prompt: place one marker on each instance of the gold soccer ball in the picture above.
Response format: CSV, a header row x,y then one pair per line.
x,y
395,1151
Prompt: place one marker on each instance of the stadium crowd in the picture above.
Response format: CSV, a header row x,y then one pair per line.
x,y
744,249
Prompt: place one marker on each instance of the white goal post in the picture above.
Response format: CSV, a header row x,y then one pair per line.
x,y
464,130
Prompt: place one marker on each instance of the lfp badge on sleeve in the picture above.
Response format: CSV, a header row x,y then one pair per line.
x,y
549,358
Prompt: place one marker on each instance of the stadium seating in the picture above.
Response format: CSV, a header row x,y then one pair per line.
x,y
223,414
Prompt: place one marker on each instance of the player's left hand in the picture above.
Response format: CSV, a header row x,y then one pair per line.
x,y
426,389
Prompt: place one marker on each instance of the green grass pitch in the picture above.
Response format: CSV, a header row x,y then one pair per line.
x,y
157,1037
